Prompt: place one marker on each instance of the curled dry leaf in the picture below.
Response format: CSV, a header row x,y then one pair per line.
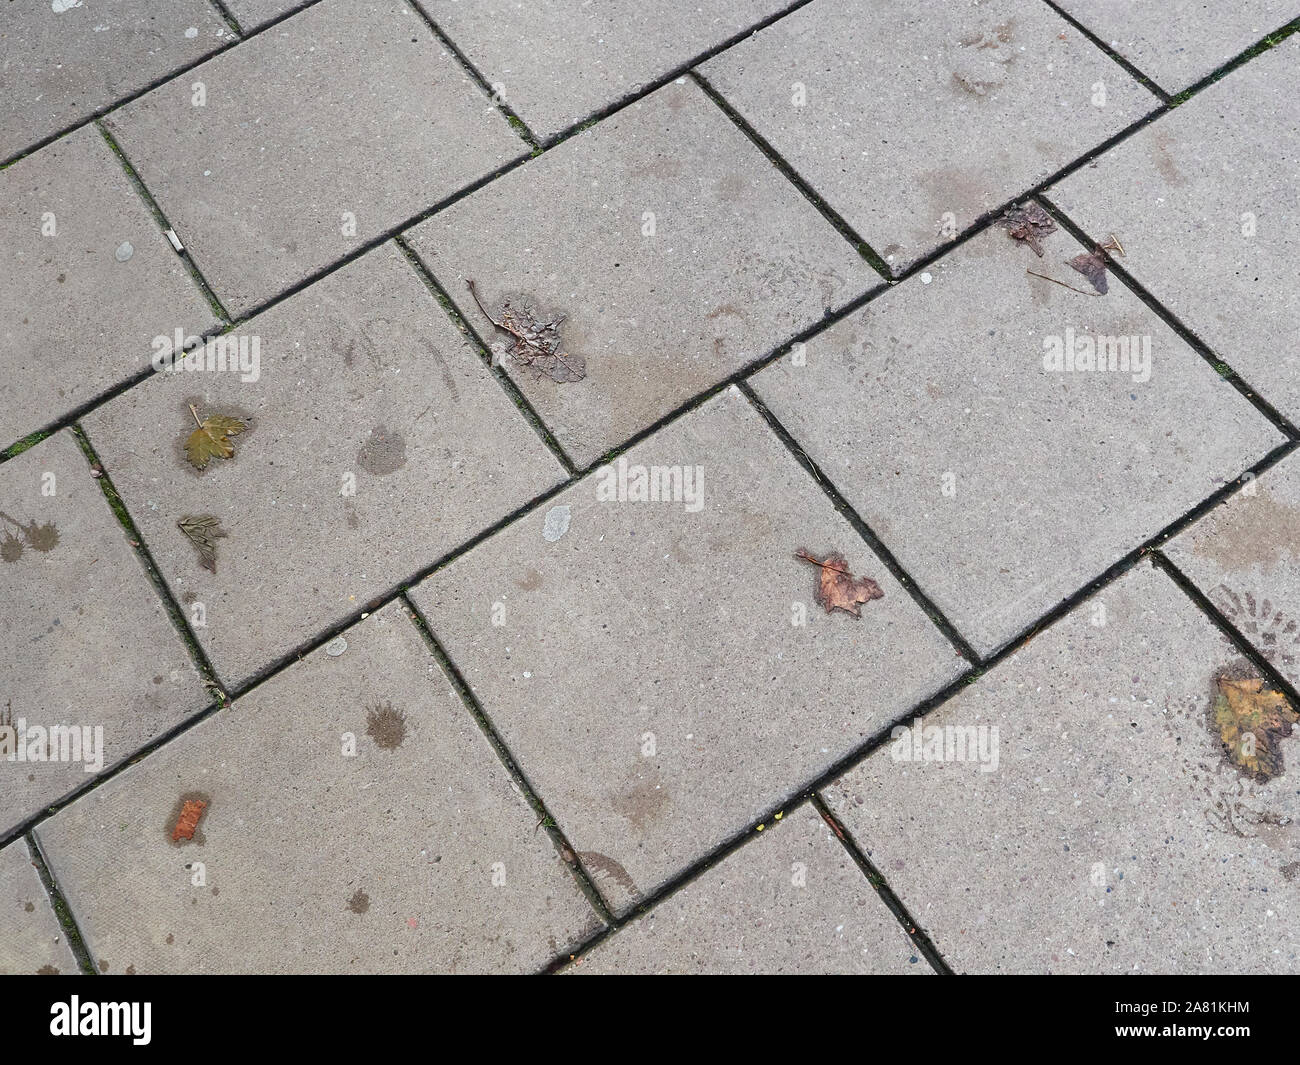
x,y
836,587
1093,264
1251,721
1028,223
536,341
203,531
212,438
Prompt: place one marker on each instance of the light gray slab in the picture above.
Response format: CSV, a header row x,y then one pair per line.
x,y
62,61
555,63
326,131
677,251
31,939
1114,836
791,901
251,14
84,640
661,672
1245,555
1002,486
1206,202
377,442
78,310
1178,42
415,854
913,120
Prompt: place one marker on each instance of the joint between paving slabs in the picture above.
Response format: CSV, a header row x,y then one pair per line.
x,y
207,674
919,937
228,17
458,319
218,308
787,171
1129,68
1269,40
71,929
567,852
1185,333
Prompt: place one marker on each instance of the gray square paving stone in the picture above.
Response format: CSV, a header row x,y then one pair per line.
x,y
1018,483
1114,834
84,640
993,98
556,62
1245,556
1206,201
378,441
90,281
261,182
61,61
415,854
31,939
677,251
791,901
660,669
250,14
1178,42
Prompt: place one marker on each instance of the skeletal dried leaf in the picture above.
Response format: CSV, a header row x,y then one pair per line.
x,y
1028,223
537,343
1251,721
203,531
837,589
212,438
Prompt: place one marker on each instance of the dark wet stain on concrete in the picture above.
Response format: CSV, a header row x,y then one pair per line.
x,y
603,868
530,581
384,452
386,726
47,970
29,906
360,902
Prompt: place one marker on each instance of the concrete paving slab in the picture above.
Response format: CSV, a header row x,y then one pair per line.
x,y
1000,484
1206,202
90,280
789,902
65,60
677,251
378,441
261,181
913,121
1245,555
1179,42
1114,834
557,63
31,939
251,14
85,644
416,853
660,669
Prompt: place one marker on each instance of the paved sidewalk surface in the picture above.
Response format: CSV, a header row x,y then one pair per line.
x,y
748,487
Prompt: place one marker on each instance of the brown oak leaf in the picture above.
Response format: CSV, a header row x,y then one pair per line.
x,y
536,341
1251,721
836,587
1027,223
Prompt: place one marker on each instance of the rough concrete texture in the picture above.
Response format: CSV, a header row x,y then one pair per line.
x,y
912,121
1114,835
78,314
676,250
1244,556
1018,484
663,671
556,63
33,941
1207,205
1178,42
85,643
261,181
252,14
66,60
377,441
790,902
416,853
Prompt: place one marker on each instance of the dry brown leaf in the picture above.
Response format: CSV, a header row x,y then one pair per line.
x,y
536,341
1251,721
1093,264
1028,223
203,531
836,587
212,438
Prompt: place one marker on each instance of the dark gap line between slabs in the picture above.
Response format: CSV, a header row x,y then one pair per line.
x,y
1137,75
1184,332
919,937
1264,44
462,324
62,910
530,794
229,18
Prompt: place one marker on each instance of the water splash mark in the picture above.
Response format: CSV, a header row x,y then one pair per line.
x,y
38,537
386,726
609,869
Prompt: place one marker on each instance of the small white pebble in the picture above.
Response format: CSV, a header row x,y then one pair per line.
x,y
926,279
